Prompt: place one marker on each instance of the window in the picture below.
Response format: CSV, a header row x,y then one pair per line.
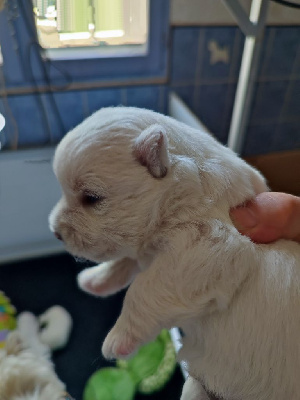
x,y
83,42
95,24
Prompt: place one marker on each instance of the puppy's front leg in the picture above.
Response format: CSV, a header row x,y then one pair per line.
x,y
181,282
109,277
150,304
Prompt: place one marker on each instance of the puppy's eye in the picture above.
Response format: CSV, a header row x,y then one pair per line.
x,y
91,199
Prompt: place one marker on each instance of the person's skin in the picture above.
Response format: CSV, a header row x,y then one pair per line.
x,y
269,217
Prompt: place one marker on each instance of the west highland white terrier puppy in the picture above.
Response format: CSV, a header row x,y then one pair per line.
x,y
148,198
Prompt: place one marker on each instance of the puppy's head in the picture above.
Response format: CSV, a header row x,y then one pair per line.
x,y
112,169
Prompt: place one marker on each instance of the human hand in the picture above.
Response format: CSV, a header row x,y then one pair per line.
x,y
269,217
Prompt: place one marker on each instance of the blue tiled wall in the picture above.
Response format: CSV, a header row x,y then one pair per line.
x,y
44,119
208,88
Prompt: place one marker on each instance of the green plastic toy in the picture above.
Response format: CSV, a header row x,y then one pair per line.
x,y
7,318
147,372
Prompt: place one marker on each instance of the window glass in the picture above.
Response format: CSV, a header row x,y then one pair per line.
x,y
91,23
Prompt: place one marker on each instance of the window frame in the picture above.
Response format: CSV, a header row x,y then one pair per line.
x,y
121,50
25,68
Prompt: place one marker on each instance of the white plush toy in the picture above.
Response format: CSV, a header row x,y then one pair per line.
x,y
55,327
27,372
50,330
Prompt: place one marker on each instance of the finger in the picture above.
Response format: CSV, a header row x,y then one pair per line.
x,y
269,217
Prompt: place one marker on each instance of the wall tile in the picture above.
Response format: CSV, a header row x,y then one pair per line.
x,y
268,101
218,53
292,105
70,104
228,109
267,138
280,51
187,95
287,136
164,96
44,119
210,106
184,54
99,98
236,57
260,139
31,121
55,117
151,97
210,90
207,88
266,46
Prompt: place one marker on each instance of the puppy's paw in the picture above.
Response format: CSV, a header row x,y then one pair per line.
x,y
96,280
119,343
108,278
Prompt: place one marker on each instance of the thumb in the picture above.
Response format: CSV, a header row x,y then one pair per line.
x,y
269,217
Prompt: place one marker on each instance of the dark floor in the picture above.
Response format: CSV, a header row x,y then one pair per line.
x,y
41,283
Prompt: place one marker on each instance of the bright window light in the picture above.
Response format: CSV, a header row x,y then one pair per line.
x,y
91,23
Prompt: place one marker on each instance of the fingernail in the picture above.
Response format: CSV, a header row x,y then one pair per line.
x,y
243,218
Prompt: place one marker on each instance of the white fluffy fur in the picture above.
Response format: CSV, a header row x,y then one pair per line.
x,y
160,222
26,372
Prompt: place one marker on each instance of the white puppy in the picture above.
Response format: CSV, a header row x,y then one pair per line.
x,y
26,372
149,198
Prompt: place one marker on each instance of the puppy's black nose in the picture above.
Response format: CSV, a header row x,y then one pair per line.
x,y
58,236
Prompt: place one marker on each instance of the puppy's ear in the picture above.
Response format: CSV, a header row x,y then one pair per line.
x,y
151,150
